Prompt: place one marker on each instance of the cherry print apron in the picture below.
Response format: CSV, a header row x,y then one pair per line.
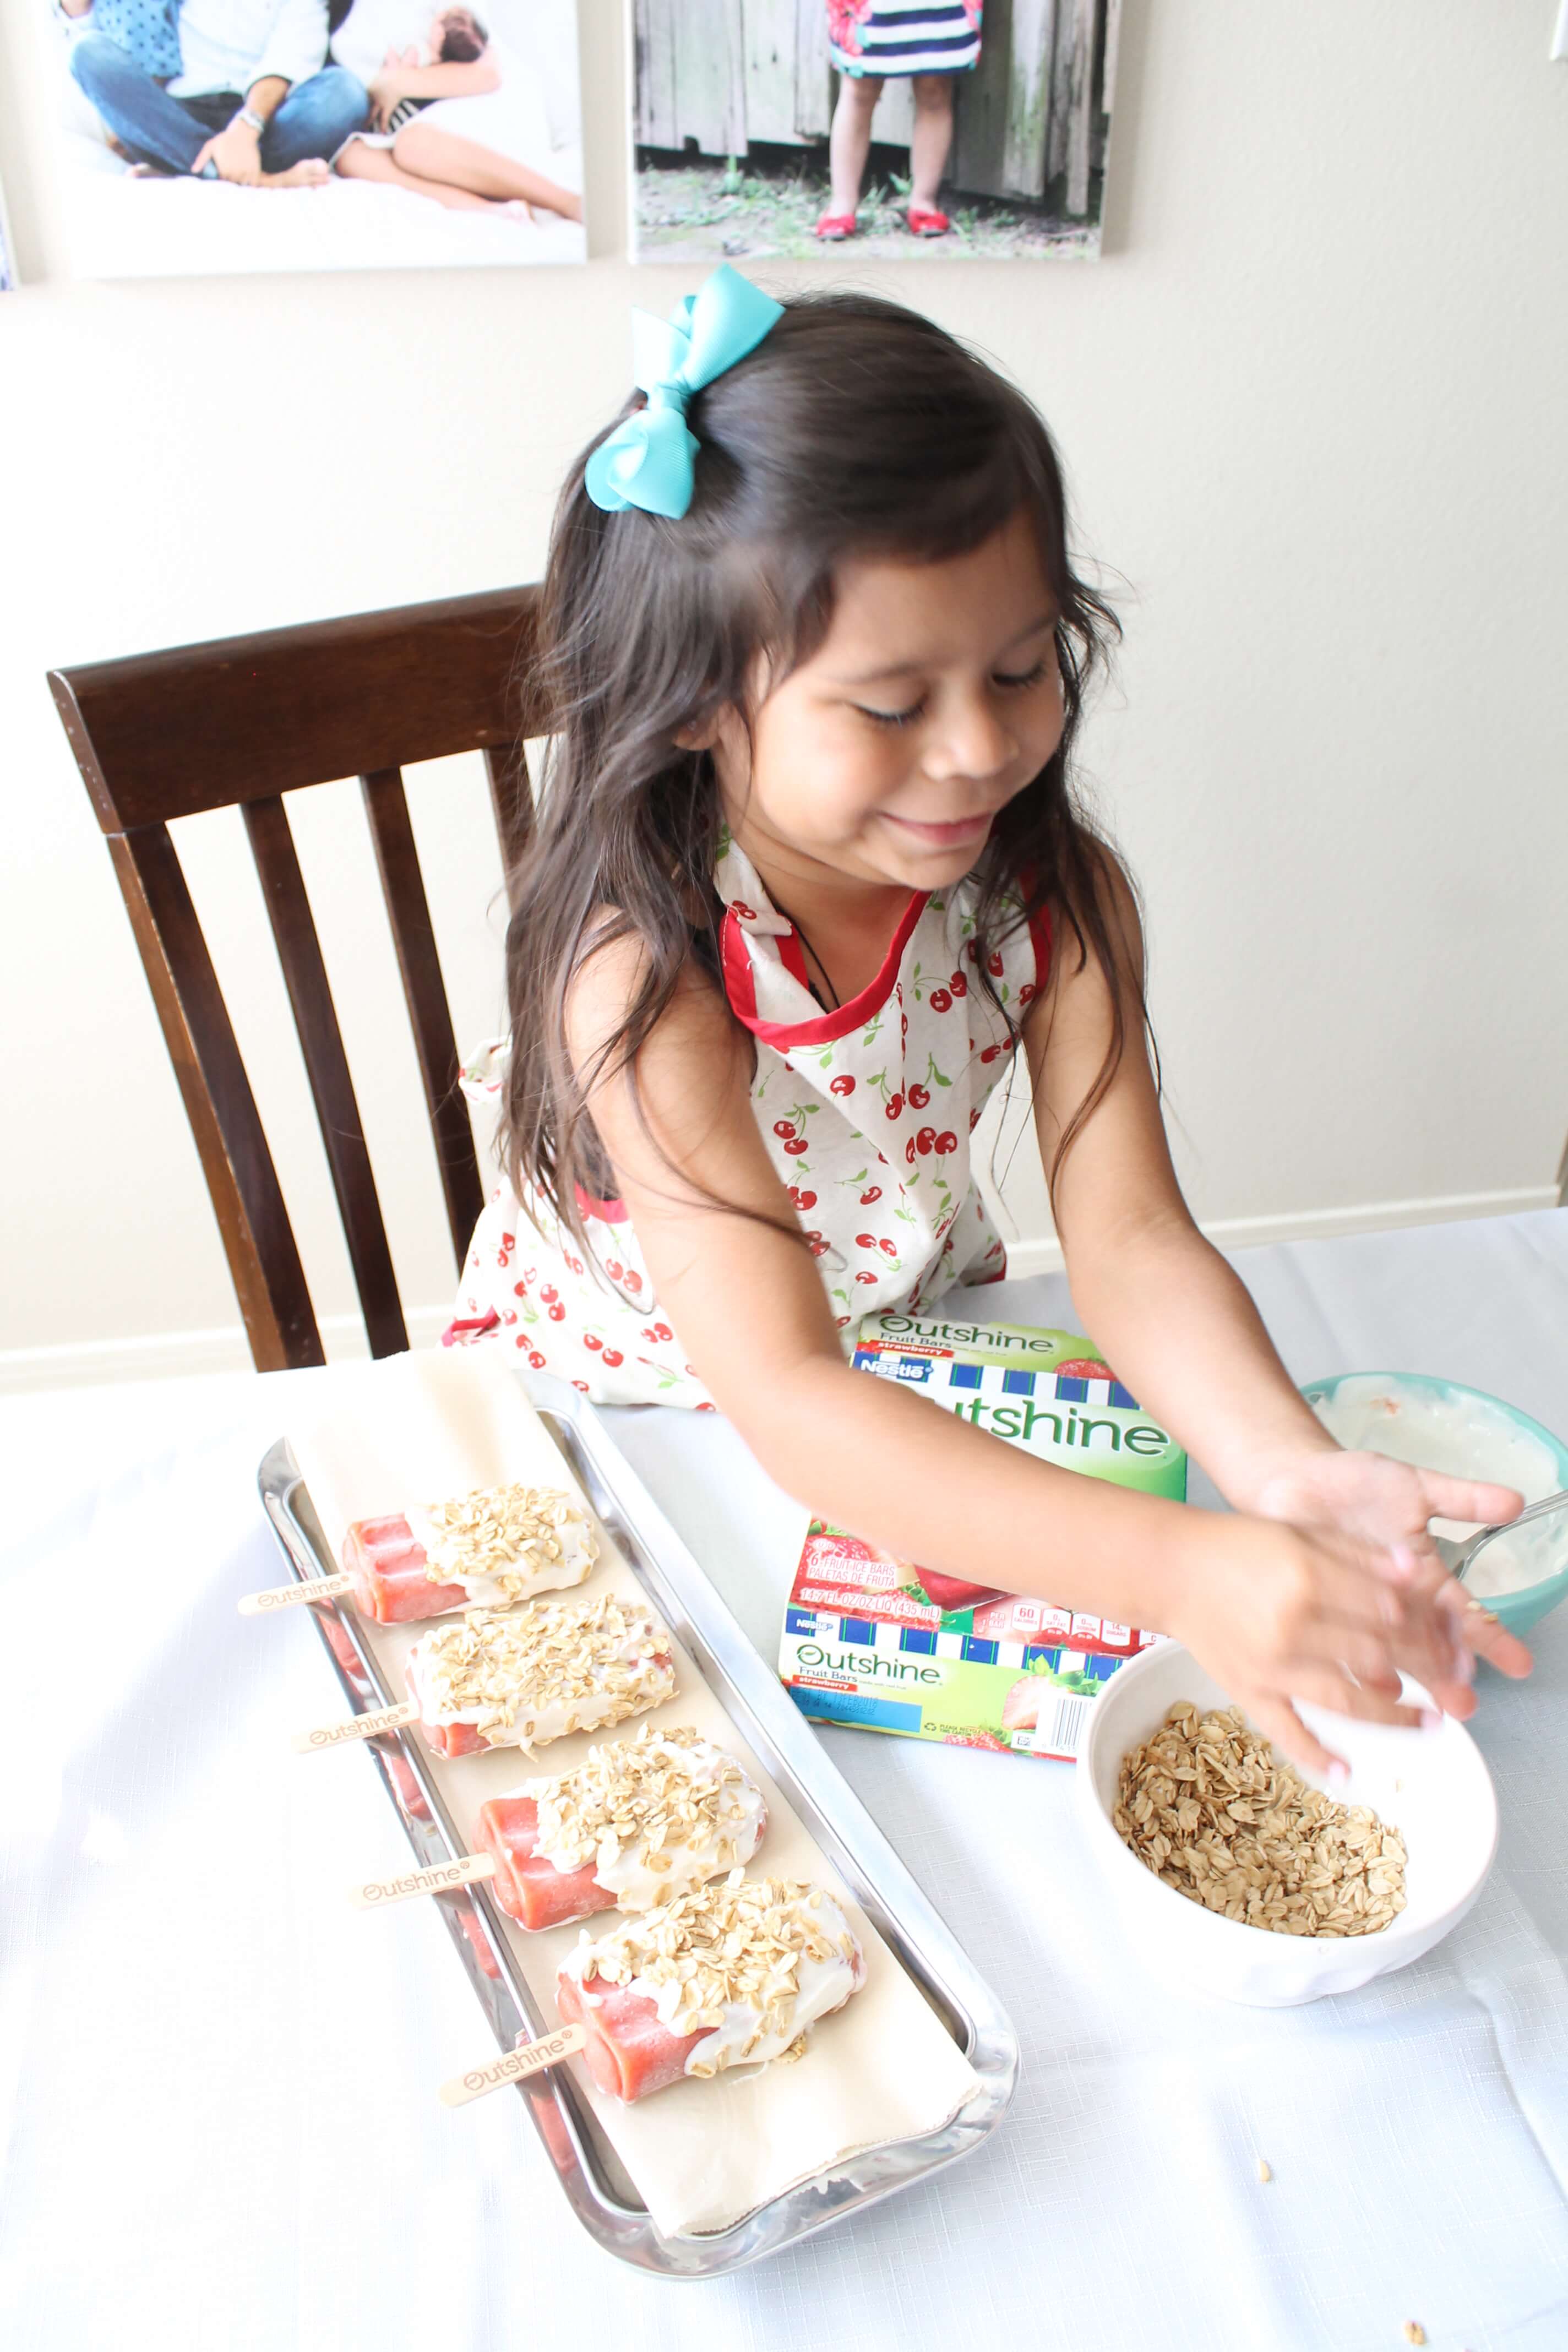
x,y
867,1112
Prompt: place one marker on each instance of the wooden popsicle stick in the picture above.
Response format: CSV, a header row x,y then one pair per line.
x,y
514,2067
289,1596
358,1726
375,1894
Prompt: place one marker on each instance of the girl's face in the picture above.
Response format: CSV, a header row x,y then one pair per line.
x,y
934,699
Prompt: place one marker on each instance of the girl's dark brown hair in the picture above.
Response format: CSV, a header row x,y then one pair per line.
x,y
856,428
464,38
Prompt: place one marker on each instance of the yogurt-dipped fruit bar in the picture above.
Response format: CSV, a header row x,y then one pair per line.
x,y
641,1820
733,1974
489,1548
486,1549
522,1677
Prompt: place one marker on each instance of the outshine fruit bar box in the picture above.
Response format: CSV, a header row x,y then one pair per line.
x,y
892,1647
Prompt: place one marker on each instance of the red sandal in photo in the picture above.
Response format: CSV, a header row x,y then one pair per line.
x,y
924,222
833,228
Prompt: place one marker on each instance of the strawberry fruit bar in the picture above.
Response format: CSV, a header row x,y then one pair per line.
x,y
486,1549
643,1819
519,1677
734,1974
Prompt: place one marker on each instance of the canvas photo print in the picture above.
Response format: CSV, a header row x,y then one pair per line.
x,y
208,136
961,129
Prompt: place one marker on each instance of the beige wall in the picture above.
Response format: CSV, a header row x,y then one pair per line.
x,y
1312,405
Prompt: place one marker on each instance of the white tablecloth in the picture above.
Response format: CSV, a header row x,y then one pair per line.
x,y
216,2078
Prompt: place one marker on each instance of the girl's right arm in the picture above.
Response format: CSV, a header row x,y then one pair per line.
x,y
1273,1609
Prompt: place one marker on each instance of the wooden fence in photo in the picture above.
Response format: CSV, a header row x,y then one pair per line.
x,y
722,75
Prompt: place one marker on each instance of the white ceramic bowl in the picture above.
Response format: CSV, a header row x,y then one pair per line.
x,y
1433,1786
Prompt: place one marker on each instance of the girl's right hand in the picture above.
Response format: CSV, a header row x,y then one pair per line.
x,y
1277,1612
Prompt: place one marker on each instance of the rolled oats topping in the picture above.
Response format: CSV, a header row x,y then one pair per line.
x,y
654,1815
1209,1807
509,1540
522,1675
750,1961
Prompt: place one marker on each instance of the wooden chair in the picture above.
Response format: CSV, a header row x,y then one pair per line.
x,y
240,722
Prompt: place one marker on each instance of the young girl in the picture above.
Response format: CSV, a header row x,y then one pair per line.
x,y
419,134
809,877
924,41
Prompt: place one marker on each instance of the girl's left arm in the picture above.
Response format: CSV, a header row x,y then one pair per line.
x,y
471,80
1163,1304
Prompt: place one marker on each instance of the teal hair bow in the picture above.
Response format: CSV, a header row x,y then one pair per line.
x,y
647,461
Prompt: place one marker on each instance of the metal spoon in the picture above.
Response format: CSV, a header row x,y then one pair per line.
x,y
1458,1557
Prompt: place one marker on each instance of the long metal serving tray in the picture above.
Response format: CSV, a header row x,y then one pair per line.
x,y
595,2184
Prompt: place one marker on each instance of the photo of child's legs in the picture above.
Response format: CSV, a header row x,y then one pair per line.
x,y
849,145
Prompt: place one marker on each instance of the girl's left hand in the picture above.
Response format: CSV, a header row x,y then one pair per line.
x,y
383,93
1386,1502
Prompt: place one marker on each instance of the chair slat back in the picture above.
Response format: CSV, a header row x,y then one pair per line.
x,y
408,911
241,721
327,1067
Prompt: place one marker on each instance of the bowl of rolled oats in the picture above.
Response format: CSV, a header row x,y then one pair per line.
x,y
1246,1876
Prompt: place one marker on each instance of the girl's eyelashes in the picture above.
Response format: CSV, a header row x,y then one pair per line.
x,y
1010,683
1029,677
893,717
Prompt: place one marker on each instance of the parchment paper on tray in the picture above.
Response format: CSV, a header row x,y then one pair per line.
x,y
419,1428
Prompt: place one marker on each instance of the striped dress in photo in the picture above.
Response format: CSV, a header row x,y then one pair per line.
x,y
904,37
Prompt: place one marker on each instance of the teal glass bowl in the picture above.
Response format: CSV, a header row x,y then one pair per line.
x,y
1518,1611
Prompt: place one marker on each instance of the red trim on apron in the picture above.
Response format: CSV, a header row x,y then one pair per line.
x,y
1040,935
741,984
609,1212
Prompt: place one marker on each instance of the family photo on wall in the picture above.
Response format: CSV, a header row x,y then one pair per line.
x,y
964,129
208,136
